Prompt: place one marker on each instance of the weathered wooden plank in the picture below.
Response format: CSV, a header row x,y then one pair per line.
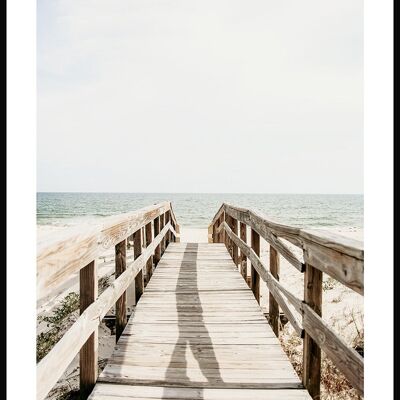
x,y
255,277
88,354
53,365
120,306
349,362
149,234
243,258
217,215
346,269
157,252
139,279
273,305
167,218
162,224
311,350
107,391
342,244
74,248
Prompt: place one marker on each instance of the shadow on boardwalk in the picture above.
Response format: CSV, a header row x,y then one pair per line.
x,y
191,326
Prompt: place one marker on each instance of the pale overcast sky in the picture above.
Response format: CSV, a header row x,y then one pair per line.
x,y
200,96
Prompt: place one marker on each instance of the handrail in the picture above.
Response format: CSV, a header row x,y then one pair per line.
x,y
339,257
74,248
79,336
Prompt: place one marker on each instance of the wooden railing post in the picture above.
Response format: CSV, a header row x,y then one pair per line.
x,y
157,251
162,224
311,350
137,251
273,305
173,237
120,306
228,241
149,264
88,288
243,258
235,250
254,277
167,236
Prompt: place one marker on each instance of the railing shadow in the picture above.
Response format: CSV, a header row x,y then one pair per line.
x,y
191,327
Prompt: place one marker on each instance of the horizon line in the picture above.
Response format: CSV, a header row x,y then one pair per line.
x,y
275,193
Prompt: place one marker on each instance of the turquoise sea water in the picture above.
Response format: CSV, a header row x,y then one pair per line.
x,y
197,210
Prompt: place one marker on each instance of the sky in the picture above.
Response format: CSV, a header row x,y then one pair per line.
x,y
252,96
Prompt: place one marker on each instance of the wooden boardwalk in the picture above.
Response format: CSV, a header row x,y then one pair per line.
x,y
198,333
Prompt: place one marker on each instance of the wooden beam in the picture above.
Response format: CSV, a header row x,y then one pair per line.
x,y
157,252
162,224
72,249
88,355
255,277
243,258
167,236
311,350
348,361
235,252
137,251
149,265
273,305
120,306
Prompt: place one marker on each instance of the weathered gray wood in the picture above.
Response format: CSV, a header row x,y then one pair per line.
x,y
349,362
286,309
217,215
149,265
334,254
273,305
243,258
342,244
255,277
190,331
72,249
88,355
120,305
262,269
346,269
139,279
167,219
311,350
50,368
157,252
162,224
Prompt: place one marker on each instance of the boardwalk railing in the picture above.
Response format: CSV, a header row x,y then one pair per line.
x,y
77,251
323,252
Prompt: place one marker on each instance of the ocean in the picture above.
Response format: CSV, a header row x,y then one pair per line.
x,y
196,210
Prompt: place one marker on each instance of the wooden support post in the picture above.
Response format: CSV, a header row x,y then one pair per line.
x,y
214,232
311,351
274,268
254,277
137,251
157,251
162,224
172,236
228,241
243,258
235,250
120,306
177,230
149,264
167,236
221,233
88,288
